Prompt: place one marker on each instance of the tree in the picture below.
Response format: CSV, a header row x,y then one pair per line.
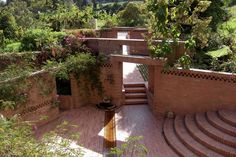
x,y
9,26
132,15
178,20
218,13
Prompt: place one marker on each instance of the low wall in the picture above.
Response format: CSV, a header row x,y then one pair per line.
x,y
191,91
41,105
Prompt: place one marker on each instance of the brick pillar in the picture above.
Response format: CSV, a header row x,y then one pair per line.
x,y
116,92
158,106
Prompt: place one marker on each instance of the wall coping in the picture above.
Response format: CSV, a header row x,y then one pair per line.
x,y
210,71
137,59
31,74
132,40
123,29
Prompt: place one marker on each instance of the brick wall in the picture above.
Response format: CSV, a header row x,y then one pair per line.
x,y
38,104
111,77
189,91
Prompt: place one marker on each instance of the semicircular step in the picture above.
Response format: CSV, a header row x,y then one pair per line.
x,y
173,141
217,122
228,116
190,142
213,132
207,141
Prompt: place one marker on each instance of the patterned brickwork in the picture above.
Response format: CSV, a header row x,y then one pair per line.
x,y
201,75
31,109
107,65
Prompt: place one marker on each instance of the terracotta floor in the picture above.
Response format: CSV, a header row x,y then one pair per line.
x,y
130,121
90,123
137,120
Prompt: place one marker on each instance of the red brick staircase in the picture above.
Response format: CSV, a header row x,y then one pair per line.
x,y
135,94
211,134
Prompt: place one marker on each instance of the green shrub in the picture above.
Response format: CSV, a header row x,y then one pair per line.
x,y
38,39
13,47
82,32
17,139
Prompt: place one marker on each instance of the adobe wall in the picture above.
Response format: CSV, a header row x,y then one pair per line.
x,y
188,91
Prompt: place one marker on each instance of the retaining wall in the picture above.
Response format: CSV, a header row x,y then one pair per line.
x,y
191,91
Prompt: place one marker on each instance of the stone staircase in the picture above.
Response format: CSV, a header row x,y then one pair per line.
x,y
135,94
211,134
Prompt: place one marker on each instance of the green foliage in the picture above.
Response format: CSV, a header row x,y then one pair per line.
x,y
39,39
13,86
82,32
224,51
178,20
133,15
65,17
13,47
17,139
132,147
109,21
218,13
9,26
84,67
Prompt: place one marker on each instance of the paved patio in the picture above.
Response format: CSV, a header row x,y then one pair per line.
x,y
138,120
90,122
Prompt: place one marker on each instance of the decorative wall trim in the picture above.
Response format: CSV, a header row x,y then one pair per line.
x,y
107,65
201,75
31,109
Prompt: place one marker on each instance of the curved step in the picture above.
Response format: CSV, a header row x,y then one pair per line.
x,y
228,116
173,140
190,142
214,119
213,132
206,140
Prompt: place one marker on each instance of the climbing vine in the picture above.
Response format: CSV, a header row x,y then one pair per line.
x,y
173,21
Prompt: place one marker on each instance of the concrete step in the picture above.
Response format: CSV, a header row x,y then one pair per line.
x,y
136,101
135,90
213,132
190,142
174,142
217,122
228,116
137,84
135,95
205,140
